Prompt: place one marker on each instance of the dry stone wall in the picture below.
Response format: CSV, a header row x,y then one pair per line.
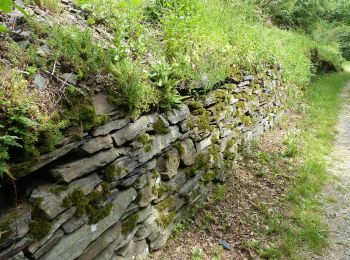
x,y
116,193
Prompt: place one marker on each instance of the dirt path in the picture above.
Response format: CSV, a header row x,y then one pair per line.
x,y
337,191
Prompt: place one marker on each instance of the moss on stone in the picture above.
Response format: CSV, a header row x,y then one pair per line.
x,y
160,190
209,176
241,104
129,224
111,172
195,105
200,162
5,229
246,120
166,219
180,148
58,189
163,205
91,204
160,127
39,228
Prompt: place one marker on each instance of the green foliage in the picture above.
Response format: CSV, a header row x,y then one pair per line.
x,y
344,42
78,48
52,5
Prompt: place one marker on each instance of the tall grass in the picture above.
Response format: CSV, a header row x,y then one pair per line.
x,y
302,227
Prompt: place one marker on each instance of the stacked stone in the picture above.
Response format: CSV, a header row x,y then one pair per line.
x,y
118,192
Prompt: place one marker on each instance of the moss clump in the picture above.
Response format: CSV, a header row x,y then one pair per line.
x,y
180,148
215,139
91,204
155,174
201,162
246,120
129,224
5,229
160,128
164,204
209,176
111,172
193,105
146,141
161,190
40,226
58,189
241,104
166,219
203,122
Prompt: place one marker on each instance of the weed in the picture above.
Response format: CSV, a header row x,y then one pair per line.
x,y
196,254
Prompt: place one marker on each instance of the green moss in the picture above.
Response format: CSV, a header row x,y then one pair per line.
x,y
58,189
203,122
200,162
39,228
164,204
5,229
180,148
155,174
195,105
241,104
166,219
160,190
91,204
111,172
209,176
143,139
129,224
215,139
246,120
160,128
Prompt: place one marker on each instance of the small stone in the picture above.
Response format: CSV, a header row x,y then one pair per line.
x,y
187,152
159,142
146,196
97,144
168,164
74,223
203,144
178,114
132,130
72,170
15,248
111,126
40,82
225,245
70,78
101,104
49,244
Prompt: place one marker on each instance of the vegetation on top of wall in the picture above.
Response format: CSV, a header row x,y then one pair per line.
x,y
155,53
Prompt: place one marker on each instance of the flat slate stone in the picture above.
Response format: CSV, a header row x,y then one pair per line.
x,y
113,234
101,104
37,245
51,203
15,248
132,130
15,223
111,126
178,114
74,223
159,142
49,244
74,244
188,154
97,144
72,170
